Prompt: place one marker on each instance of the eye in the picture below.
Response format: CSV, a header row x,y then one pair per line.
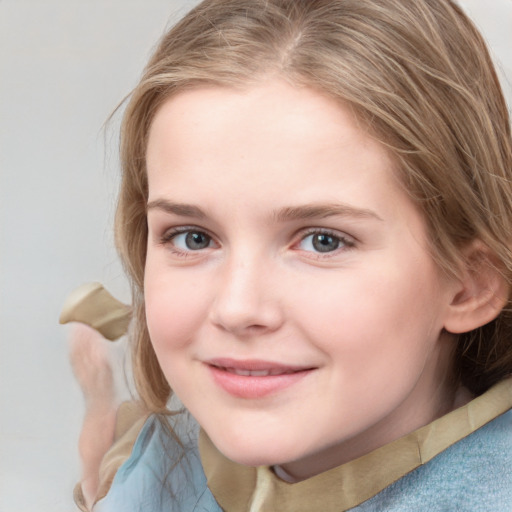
x,y
324,242
189,240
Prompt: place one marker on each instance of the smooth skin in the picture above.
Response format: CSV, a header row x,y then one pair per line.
x,y
279,237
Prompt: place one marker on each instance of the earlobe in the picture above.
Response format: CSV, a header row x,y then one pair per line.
x,y
481,294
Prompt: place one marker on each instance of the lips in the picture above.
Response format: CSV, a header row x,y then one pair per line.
x,y
252,379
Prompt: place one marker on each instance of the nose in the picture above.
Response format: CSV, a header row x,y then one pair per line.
x,y
246,302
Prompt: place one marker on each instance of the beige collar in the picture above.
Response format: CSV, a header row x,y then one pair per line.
x,y
239,488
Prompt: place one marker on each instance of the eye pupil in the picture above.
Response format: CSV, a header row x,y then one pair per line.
x,y
325,243
195,241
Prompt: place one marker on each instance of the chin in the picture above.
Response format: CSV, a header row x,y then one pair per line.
x,y
249,453
253,459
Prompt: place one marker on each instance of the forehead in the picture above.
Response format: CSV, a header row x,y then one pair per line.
x,y
273,114
274,135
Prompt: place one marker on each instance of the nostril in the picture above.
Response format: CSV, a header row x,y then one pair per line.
x,y
241,328
256,329
245,324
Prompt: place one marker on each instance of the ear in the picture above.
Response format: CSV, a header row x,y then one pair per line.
x,y
481,293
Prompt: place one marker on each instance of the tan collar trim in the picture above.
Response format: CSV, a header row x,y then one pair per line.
x,y
237,487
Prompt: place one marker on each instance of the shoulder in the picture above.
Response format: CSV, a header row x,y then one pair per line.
x,y
156,467
473,475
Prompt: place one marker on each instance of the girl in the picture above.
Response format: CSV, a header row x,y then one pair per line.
x,y
316,215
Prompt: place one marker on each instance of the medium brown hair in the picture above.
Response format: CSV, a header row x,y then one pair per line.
x,y
416,73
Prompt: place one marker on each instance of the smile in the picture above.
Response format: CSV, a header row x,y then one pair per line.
x,y
255,379
257,373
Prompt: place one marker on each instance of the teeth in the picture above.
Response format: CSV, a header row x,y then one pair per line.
x,y
249,373
256,373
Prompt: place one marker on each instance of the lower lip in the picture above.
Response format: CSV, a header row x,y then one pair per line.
x,y
251,387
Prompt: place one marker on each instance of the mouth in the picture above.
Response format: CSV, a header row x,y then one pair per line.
x,y
255,373
252,379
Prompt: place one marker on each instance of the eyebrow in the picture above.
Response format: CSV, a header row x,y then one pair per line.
x,y
322,211
286,214
181,209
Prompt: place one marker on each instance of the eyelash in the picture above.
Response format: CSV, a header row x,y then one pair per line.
x,y
346,242
171,234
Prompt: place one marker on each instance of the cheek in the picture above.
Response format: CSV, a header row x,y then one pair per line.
x,y
175,309
377,318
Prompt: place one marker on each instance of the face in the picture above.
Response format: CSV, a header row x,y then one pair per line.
x,y
290,297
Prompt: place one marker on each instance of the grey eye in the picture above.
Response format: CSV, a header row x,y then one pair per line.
x,y
192,241
325,243
320,242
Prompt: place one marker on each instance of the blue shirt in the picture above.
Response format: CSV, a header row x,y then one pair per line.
x,y
164,475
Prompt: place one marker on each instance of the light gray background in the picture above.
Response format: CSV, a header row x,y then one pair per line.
x,y
64,66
